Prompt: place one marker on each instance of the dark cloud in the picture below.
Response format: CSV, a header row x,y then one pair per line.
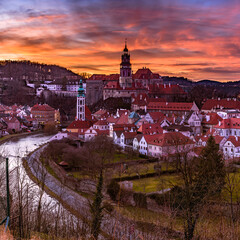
x,y
191,64
91,67
217,70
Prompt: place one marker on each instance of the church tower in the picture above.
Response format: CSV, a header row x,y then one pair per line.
x,y
125,79
81,102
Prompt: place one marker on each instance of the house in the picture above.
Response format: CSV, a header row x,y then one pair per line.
x,y
88,134
228,113
126,139
13,124
122,128
136,141
169,143
186,131
145,140
228,127
193,120
101,125
43,113
141,101
212,105
178,108
170,92
210,120
77,125
154,117
231,148
150,128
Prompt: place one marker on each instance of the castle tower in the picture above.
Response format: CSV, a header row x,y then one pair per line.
x,y
81,102
125,79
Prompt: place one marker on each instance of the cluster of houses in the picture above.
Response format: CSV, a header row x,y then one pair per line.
x,y
17,118
157,128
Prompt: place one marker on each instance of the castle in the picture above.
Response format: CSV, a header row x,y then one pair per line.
x,y
128,84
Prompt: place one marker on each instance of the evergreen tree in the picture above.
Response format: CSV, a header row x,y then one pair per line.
x,y
203,178
96,209
210,171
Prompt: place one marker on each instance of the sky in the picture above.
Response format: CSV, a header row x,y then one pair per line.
x,y
197,39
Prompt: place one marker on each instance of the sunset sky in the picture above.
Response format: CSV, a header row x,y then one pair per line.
x,y
190,38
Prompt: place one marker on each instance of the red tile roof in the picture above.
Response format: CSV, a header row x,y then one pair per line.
x,y
150,128
101,122
174,106
221,103
214,119
145,73
234,141
129,135
229,123
102,132
79,124
44,107
156,116
150,138
171,139
166,89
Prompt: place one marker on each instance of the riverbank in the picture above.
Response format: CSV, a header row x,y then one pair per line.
x,y
17,135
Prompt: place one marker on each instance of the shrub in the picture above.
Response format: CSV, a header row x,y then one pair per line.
x,y
113,189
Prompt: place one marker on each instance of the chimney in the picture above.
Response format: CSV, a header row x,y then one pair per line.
x,y
219,123
169,84
164,85
236,138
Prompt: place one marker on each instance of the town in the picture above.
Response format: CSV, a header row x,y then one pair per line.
x,y
150,127
161,154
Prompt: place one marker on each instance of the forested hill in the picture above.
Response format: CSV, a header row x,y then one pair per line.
x,y
27,70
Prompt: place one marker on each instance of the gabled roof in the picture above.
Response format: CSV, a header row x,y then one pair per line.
x,y
138,137
171,139
221,103
145,73
44,107
129,135
156,116
79,124
235,141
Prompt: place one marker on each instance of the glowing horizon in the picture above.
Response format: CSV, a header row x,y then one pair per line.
x,y
193,39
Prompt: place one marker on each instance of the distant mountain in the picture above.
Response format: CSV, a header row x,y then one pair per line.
x,y
32,71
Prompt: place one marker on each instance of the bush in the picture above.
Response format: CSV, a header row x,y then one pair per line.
x,y
113,189
140,200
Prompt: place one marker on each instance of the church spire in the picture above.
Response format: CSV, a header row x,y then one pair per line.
x,y
125,49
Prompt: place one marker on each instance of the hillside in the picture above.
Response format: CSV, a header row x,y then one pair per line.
x,y
33,71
